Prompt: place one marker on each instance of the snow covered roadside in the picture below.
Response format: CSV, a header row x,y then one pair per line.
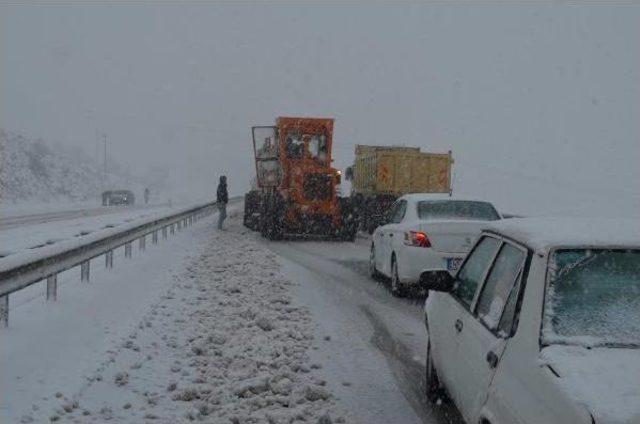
x,y
372,343
223,342
53,347
11,210
29,242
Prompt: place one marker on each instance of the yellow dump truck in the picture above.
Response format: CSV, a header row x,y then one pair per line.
x,y
381,174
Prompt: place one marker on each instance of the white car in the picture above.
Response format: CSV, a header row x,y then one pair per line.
x,y
541,324
426,232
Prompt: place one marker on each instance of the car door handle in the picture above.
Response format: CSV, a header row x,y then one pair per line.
x,y
458,325
492,359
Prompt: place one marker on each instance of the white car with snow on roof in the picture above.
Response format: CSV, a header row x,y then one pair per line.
x,y
541,324
426,232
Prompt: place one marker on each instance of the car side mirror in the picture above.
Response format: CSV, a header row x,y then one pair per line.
x,y
440,281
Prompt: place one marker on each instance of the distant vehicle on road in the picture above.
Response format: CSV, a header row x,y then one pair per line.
x,y
426,232
118,197
541,324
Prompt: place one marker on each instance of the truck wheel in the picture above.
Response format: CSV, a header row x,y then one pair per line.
x,y
263,220
248,213
350,219
271,224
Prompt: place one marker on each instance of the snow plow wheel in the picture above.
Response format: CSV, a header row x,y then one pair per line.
x,y
252,210
271,217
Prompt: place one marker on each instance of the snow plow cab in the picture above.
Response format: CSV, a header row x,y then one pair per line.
x,y
296,189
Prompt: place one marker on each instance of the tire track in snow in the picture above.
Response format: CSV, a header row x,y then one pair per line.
x,y
409,373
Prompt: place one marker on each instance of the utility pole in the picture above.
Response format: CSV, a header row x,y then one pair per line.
x,y
104,139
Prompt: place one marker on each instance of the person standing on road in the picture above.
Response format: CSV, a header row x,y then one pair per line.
x,y
222,197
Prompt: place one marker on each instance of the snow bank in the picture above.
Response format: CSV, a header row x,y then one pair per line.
x,y
226,344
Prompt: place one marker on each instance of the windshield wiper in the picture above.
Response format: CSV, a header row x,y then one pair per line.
x,y
577,265
591,345
619,345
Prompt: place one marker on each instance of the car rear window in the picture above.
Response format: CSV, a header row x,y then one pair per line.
x,y
593,298
457,209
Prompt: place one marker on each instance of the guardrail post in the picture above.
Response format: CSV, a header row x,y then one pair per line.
x,y
142,243
52,287
127,250
164,233
85,270
154,237
108,259
180,225
4,310
173,229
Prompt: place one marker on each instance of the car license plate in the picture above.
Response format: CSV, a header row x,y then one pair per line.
x,y
453,264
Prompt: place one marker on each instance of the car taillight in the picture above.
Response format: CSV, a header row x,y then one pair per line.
x,y
416,238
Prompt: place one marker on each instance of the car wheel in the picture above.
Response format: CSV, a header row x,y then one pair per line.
x,y
373,271
396,286
432,383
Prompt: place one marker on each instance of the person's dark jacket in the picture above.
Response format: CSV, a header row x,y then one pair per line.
x,y
222,196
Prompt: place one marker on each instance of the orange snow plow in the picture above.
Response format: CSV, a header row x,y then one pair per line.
x,y
297,188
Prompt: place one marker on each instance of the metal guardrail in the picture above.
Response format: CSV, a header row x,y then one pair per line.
x,y
23,274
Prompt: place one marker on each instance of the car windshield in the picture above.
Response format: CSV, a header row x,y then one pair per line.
x,y
457,209
593,298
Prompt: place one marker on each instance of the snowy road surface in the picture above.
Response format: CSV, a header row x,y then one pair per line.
x,y
29,232
378,342
9,220
219,327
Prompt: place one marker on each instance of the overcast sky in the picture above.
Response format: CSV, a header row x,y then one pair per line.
x,y
539,103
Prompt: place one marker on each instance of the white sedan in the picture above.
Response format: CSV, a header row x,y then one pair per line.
x,y
541,324
426,232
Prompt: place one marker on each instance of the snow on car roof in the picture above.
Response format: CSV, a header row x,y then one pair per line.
x,y
416,197
546,233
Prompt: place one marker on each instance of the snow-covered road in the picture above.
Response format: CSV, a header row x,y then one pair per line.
x,y
219,327
12,220
377,342
30,232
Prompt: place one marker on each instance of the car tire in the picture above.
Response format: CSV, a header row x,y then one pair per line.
x,y
395,285
433,389
373,271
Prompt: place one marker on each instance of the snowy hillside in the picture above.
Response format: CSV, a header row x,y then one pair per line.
x,y
32,171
